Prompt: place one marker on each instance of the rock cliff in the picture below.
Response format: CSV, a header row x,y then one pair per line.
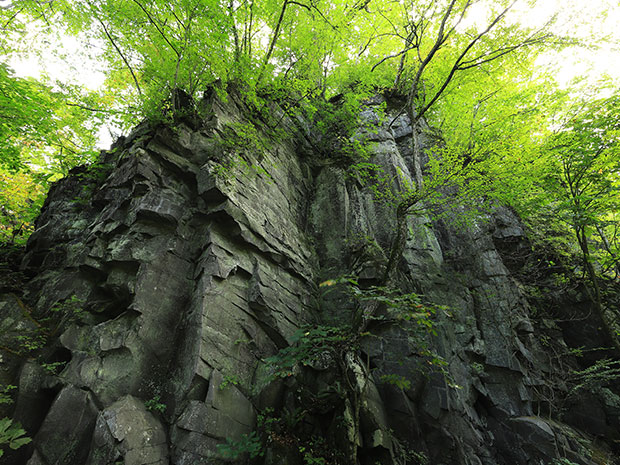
x,y
178,269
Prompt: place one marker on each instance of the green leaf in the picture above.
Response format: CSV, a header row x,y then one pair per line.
x,y
17,443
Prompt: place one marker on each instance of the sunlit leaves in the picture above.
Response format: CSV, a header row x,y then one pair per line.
x,y
44,133
12,435
41,128
319,47
567,175
300,53
587,155
21,197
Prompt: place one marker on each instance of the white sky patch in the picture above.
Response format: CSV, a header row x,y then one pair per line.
x,y
598,59
74,60
59,56
597,24
589,21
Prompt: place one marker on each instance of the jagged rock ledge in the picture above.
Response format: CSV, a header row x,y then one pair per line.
x,y
193,263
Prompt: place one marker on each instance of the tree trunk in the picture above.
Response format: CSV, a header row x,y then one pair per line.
x,y
596,297
417,155
607,245
416,139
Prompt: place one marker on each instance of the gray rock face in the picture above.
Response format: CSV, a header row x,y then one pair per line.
x,y
127,430
195,260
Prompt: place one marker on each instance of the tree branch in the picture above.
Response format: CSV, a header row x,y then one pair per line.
x,y
133,75
154,23
392,56
274,39
10,20
436,46
459,60
97,110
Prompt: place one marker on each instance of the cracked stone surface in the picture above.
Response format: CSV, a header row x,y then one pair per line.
x,y
193,265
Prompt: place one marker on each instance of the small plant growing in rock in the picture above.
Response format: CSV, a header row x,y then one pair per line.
x,y
92,177
31,342
395,380
11,433
5,394
53,368
249,445
67,311
419,457
154,404
228,380
600,373
310,345
477,369
309,458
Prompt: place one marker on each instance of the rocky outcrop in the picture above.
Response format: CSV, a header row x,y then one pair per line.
x,y
193,254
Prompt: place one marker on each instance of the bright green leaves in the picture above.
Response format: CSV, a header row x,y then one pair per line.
x,y
154,47
248,445
311,346
42,128
584,158
21,197
12,435
313,47
564,175
163,45
462,61
44,133
586,155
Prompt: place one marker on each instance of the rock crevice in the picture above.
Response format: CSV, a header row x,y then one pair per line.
x,y
193,262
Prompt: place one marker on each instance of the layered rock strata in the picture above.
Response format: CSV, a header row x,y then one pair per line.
x,y
194,258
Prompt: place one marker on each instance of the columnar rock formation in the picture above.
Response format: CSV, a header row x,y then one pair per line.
x,y
194,260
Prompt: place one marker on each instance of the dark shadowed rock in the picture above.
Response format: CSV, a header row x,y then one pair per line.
x,y
195,261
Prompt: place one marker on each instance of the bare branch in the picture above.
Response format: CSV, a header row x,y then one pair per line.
x,y
385,34
392,56
394,28
436,46
463,11
97,110
10,20
498,53
274,39
118,50
177,19
458,61
315,8
292,2
231,15
154,23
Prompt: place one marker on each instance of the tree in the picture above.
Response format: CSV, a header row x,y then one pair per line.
x,y
433,41
43,134
440,52
39,127
21,197
564,177
585,151
152,48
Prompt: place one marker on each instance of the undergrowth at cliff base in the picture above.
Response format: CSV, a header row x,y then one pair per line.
x,y
337,349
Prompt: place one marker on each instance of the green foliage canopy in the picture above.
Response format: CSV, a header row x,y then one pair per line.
x,y
466,65
315,46
40,127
